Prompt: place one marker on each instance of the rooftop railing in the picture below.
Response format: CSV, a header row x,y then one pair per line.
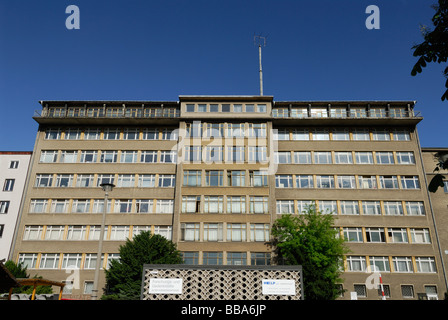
x,y
116,113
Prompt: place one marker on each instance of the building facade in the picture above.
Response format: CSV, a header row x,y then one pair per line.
x,y
212,173
13,173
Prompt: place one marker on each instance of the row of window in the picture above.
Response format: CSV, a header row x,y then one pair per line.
x,y
111,134
386,235
353,207
95,180
346,182
109,156
111,112
406,264
226,107
336,134
88,232
230,232
159,206
340,112
407,291
226,258
344,157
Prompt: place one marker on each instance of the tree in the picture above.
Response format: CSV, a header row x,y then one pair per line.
x,y
437,180
435,46
123,278
19,271
310,240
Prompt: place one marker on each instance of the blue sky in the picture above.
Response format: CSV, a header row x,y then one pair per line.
x,y
158,50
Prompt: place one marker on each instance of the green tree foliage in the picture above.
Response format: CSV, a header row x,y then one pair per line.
x,y
310,240
19,271
435,46
123,278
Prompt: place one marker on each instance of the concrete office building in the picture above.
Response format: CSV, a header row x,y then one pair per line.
x,y
13,172
213,173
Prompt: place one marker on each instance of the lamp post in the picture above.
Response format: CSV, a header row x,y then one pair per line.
x,y
107,187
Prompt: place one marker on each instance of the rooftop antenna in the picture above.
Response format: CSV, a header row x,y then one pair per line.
x,y
260,41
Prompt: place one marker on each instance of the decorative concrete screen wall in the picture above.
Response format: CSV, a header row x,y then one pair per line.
x,y
186,282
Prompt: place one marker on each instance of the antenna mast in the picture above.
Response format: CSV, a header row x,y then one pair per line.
x,y
260,40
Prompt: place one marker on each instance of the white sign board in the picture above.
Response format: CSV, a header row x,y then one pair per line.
x,y
165,286
278,287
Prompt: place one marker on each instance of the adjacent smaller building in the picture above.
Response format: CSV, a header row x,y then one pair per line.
x,y
13,172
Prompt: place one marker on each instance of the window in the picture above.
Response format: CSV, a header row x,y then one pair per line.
x,y
28,260
257,154
338,112
214,130
356,263
377,112
257,129
88,156
126,157
90,263
420,236
126,181
53,134
401,135
92,134
48,156
304,181
299,112
364,157
13,164
59,206
9,185
410,182
4,206
165,206
214,178
283,157
105,178
84,180
341,135
260,108
236,178
346,182
189,231
375,235
167,180
319,112
407,291
445,186
111,134
192,178
191,204
148,156
33,233
109,156
258,178
361,135
235,154
285,206
81,206
343,158
236,258
71,260
384,158
119,233
68,156
144,206
353,234
64,180
193,154
165,231
213,204
405,157
213,232
250,108
131,134
282,135
300,134
214,108
328,206
236,232
168,156
190,108
123,206
393,208
76,233
367,182
325,182
213,154
72,134
235,130
321,134
259,232
302,157
258,205
402,264
322,157
349,207
283,181
397,235
237,108
380,264
389,182
371,207
381,135
358,112
260,258
415,208
236,204
38,206
303,205
54,233
43,180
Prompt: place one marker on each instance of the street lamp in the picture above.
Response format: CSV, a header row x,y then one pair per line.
x,y
107,187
